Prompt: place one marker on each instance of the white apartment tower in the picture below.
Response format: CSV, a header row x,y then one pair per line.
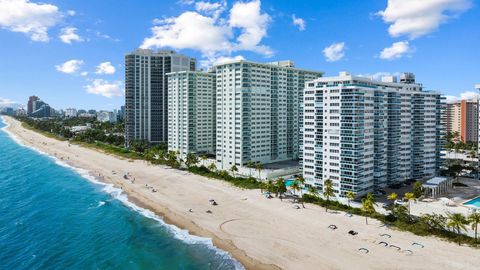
x,y
146,96
191,107
259,111
364,134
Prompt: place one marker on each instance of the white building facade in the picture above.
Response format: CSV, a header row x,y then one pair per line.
x,y
191,107
259,111
70,112
364,134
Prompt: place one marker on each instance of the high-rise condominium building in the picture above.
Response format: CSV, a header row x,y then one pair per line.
x,y
146,96
191,107
70,112
31,100
462,117
364,134
259,111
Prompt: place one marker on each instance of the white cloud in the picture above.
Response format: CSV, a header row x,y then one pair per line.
x,y
299,22
84,73
105,88
415,18
105,68
467,95
68,34
223,59
71,12
253,23
378,75
6,102
334,52
396,51
32,19
214,9
215,36
190,30
70,67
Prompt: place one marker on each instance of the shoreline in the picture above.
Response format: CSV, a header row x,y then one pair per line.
x,y
168,217
259,233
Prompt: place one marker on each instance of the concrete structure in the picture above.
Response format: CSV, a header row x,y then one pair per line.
x,y
105,116
462,117
259,111
191,107
364,134
146,96
437,186
70,112
40,109
30,104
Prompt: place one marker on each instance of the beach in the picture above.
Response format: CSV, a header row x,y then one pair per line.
x,y
261,233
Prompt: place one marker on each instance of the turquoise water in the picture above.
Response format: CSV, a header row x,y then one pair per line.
x,y
53,218
289,182
475,202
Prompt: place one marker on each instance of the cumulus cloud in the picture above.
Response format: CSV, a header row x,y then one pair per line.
x,y
416,18
222,60
334,52
105,88
105,68
215,36
299,23
6,102
378,75
467,95
214,9
68,35
70,67
32,19
71,12
396,51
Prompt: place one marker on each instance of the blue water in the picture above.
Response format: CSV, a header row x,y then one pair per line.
x,y
53,218
475,202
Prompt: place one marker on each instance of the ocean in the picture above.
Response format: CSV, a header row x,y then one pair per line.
x,y
53,216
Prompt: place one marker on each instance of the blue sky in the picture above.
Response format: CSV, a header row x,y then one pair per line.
x,y
436,39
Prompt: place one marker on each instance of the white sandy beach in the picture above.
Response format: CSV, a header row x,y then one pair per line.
x,y
260,233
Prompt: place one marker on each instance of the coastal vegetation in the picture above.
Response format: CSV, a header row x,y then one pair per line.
x,y
449,228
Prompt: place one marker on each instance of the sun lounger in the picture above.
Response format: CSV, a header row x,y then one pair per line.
x,y
407,251
393,246
333,227
352,232
383,243
386,235
364,250
418,244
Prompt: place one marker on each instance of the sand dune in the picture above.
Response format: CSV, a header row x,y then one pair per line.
x,y
261,233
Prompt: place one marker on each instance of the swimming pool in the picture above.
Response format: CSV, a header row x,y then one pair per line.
x,y
289,182
475,202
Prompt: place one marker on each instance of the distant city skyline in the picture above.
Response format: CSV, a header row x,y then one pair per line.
x,y
71,54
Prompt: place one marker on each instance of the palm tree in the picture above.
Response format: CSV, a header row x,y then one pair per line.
x,y
234,169
409,196
203,158
295,186
368,206
259,168
301,182
191,160
250,165
457,222
212,167
281,188
312,191
328,191
474,220
350,197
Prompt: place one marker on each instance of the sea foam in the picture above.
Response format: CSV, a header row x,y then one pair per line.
x,y
118,194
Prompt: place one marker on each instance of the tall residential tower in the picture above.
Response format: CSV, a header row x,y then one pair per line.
x,y
146,96
259,111
191,107
364,134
